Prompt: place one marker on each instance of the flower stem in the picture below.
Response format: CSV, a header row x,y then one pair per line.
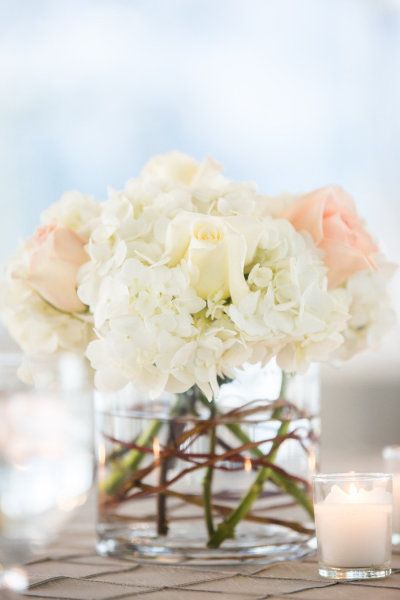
x,y
124,467
162,522
175,428
131,461
225,510
122,470
226,529
208,477
290,487
295,491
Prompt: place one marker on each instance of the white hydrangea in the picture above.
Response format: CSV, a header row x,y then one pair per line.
x,y
153,329
209,190
190,275
289,311
370,308
73,210
38,327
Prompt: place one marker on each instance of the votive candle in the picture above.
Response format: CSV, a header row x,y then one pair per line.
x,y
353,517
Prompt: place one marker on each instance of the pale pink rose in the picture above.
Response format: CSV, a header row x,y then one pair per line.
x,y
56,254
330,217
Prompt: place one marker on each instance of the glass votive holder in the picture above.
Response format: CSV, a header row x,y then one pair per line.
x,y
391,460
353,519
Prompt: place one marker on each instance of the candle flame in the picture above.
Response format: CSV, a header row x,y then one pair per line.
x,y
156,448
247,464
101,454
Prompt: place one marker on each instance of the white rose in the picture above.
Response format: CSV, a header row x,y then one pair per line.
x,y
216,250
175,166
179,169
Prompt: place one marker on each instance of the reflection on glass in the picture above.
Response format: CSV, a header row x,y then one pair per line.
x,y
45,456
391,460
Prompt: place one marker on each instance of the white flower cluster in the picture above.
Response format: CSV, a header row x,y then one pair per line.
x,y
37,326
370,308
289,312
184,276
155,322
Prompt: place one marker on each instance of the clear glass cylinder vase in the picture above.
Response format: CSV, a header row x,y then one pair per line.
x,y
183,479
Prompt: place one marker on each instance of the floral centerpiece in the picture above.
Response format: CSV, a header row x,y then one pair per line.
x,y
168,288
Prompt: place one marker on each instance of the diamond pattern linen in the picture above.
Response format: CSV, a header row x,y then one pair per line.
x,y
70,570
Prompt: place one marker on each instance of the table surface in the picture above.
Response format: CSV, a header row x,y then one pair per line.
x,y
70,570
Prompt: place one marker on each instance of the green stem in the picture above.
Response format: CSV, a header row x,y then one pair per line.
x,y
224,510
295,491
226,529
290,487
131,460
122,469
180,409
208,477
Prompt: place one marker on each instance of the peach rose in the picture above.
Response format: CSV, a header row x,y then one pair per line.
x,y
330,217
56,254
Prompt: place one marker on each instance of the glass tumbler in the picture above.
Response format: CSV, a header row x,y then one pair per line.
x,y
46,458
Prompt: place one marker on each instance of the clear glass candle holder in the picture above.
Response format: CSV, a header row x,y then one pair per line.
x,y
46,456
391,460
353,518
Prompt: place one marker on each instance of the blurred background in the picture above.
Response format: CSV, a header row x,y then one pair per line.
x,y
292,94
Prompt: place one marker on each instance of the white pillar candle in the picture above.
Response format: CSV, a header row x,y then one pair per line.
x,y
354,527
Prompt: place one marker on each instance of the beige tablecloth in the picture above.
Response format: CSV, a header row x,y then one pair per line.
x,y
70,570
